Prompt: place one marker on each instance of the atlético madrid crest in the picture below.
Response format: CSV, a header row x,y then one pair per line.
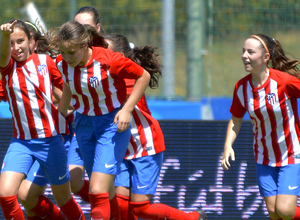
x,y
94,81
271,98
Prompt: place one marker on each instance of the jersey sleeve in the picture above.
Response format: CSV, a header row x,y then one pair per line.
x,y
56,77
292,86
237,109
8,69
121,66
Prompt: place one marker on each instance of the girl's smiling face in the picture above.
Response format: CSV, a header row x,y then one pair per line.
x,y
255,59
19,45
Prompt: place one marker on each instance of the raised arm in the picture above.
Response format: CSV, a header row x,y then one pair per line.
x,y
5,52
233,129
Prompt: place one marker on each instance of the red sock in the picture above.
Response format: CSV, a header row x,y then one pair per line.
x,y
124,204
11,208
72,210
100,206
297,213
145,210
115,212
46,209
84,192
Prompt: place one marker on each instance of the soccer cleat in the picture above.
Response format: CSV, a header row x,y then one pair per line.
x,y
202,214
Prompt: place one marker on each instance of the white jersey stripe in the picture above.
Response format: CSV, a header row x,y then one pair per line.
x,y
16,83
33,99
148,133
113,90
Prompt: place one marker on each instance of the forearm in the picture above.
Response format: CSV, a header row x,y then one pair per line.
x,y
5,52
233,129
137,91
64,103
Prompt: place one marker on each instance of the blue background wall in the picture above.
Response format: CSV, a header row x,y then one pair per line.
x,y
207,109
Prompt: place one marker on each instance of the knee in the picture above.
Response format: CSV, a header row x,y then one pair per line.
x,y
77,182
285,212
22,195
29,193
7,190
27,199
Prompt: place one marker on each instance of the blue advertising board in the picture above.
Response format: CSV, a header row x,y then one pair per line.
x,y
191,175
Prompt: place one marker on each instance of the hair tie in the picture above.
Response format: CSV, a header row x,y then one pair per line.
x,y
262,42
131,45
32,25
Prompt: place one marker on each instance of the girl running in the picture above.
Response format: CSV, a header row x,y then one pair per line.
x,y
270,95
94,79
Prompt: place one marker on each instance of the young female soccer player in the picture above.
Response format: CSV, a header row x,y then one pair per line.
x,y
141,115
94,79
30,192
89,15
27,82
270,95
138,177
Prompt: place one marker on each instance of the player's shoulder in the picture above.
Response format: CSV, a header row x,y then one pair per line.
x,y
243,80
282,77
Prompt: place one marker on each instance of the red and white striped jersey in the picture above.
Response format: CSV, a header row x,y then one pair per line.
x,y
98,87
28,89
146,135
273,112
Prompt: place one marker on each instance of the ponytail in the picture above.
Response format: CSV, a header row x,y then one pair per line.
x,y
277,56
146,56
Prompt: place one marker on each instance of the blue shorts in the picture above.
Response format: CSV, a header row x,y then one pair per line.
x,y
283,180
69,138
141,174
74,155
37,175
101,146
50,153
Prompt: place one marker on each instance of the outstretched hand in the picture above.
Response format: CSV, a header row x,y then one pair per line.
x,y
8,28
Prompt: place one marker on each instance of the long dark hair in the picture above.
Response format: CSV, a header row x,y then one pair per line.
x,y
146,56
277,56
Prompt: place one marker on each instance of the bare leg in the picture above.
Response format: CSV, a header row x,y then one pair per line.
x,y
28,195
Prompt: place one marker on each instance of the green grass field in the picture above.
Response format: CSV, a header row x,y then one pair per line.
x,y
225,65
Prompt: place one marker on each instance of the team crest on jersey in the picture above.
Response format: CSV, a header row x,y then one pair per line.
x,y
94,82
271,98
42,69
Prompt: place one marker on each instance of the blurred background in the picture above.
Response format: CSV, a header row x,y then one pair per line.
x,y
200,42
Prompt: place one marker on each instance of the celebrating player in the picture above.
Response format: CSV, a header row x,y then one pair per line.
x,y
27,83
270,95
